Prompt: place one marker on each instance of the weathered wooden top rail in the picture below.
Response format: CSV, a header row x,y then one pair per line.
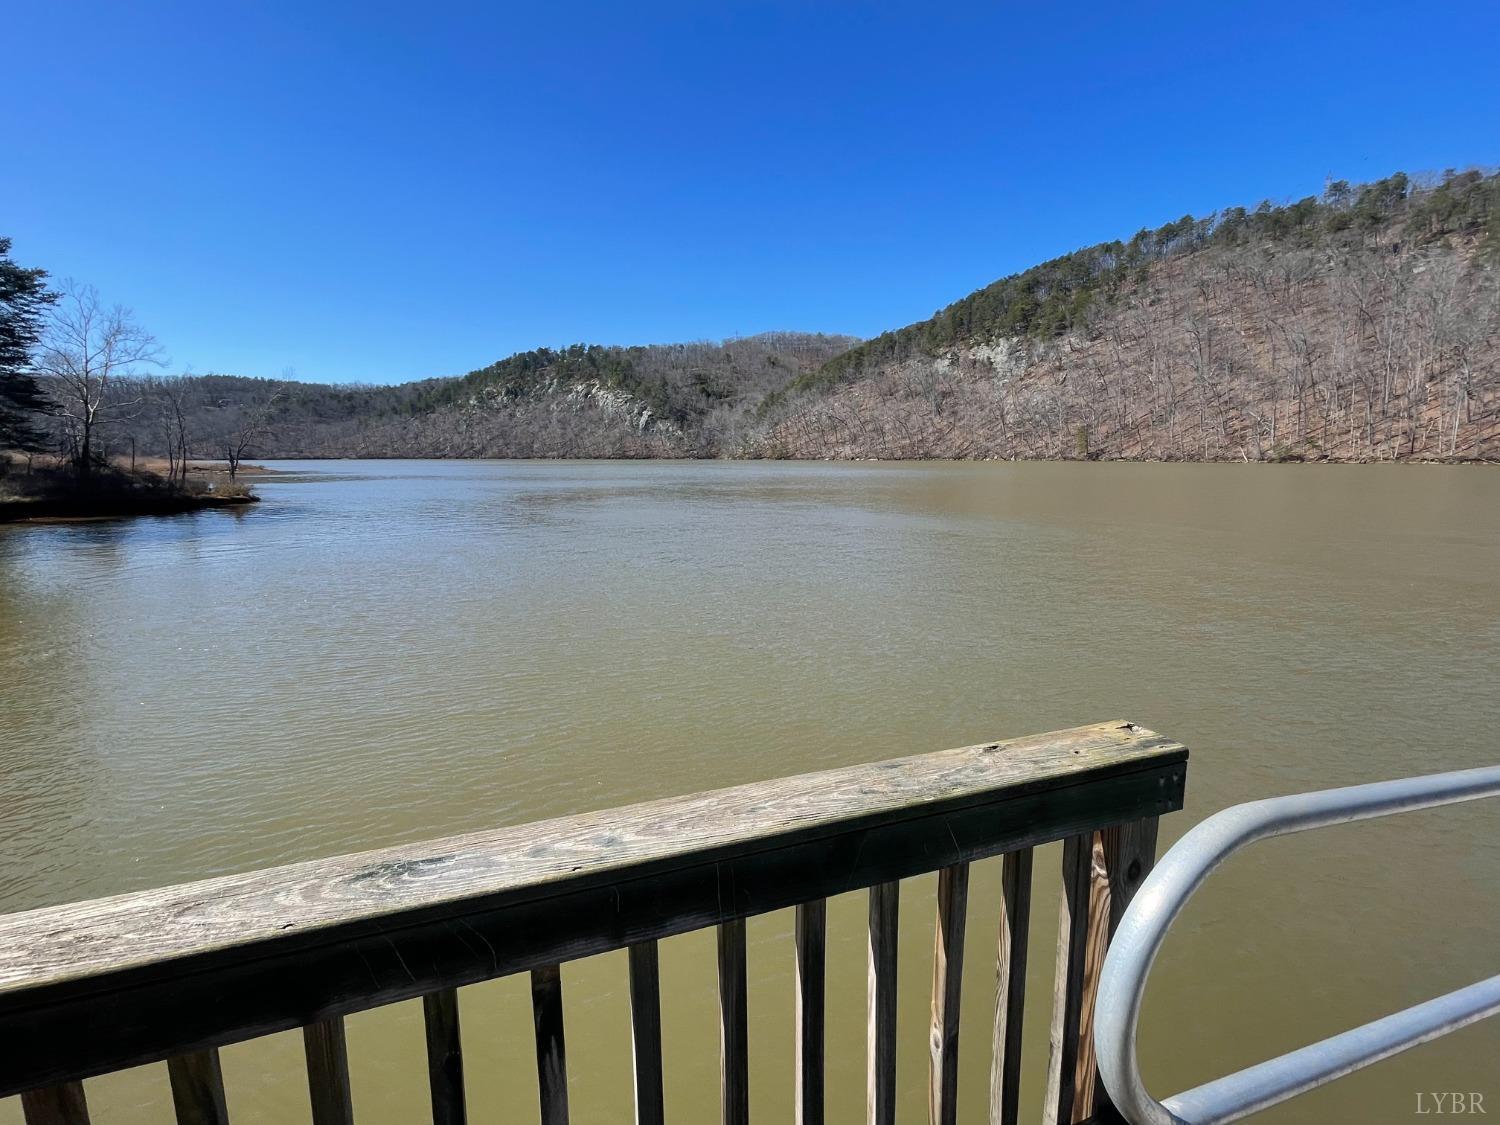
x,y
96,986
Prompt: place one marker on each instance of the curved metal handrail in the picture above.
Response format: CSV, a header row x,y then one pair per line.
x,y
1166,891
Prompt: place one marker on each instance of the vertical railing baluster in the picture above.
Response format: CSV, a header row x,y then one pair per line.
x,y
1085,1066
1010,986
1101,874
328,1071
880,1072
445,1060
812,943
551,1052
198,1088
1129,855
734,1028
1083,915
1129,852
645,1032
62,1104
947,988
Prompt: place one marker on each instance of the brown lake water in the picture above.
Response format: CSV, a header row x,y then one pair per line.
x,y
390,651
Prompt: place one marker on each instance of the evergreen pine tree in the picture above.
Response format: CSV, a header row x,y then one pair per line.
x,y
23,300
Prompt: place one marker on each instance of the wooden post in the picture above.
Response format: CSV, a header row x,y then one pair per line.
x,y
880,1073
551,1054
947,987
1129,855
812,940
1066,1103
198,1088
1101,873
445,1060
1085,1066
62,1104
734,1027
328,1072
1010,986
645,1032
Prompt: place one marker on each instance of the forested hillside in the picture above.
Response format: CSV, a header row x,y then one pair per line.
x,y
666,400
1362,324
1359,325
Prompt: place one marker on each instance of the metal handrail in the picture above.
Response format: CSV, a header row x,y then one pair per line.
x,y
1166,891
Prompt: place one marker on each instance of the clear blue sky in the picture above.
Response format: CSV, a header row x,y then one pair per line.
x,y
372,191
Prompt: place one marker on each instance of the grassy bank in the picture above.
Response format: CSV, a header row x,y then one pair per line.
x,y
59,492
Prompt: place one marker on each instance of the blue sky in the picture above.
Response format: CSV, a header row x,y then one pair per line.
x,y
375,192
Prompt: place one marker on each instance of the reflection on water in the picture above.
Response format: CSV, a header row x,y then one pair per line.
x,y
388,651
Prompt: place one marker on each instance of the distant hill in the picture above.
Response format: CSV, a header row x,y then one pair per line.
x,y
1358,325
663,400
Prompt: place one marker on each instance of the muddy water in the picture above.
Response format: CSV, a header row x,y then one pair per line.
x,y
390,651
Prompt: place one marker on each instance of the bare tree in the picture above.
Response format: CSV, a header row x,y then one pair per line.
x,y
171,398
250,427
87,350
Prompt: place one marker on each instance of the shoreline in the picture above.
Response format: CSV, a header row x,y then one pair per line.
x,y
244,470
77,510
50,496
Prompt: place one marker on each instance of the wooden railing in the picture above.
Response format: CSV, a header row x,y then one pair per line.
x,y
173,974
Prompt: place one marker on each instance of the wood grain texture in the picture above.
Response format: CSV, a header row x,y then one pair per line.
x,y
112,934
198,1088
100,985
445,1059
880,1032
1101,874
1129,856
947,988
1129,853
811,935
1083,913
1096,944
734,1025
1010,986
63,1104
551,1051
328,1072
645,1032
